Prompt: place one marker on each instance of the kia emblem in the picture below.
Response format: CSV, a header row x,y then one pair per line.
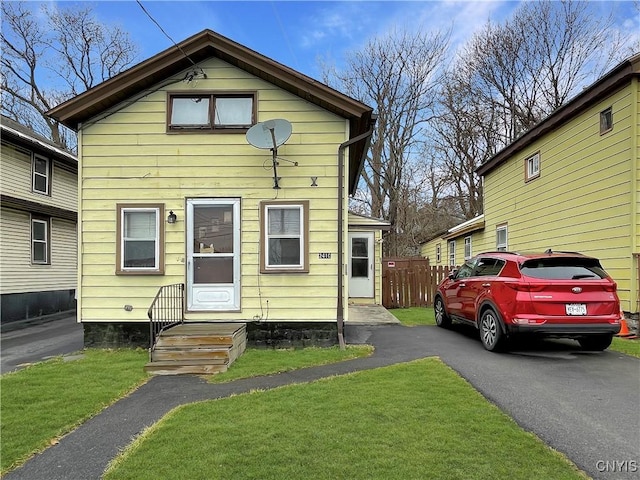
x,y
576,290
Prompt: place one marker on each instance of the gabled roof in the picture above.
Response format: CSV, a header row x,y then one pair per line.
x,y
365,222
609,83
472,225
25,137
204,45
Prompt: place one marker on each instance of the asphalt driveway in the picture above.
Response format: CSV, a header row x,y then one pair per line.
x,y
583,404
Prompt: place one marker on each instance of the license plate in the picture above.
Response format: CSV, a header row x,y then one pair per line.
x,y
576,309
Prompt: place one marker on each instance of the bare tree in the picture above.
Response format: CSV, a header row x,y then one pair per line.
x,y
398,74
49,57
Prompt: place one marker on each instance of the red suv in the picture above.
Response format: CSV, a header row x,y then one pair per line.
x,y
553,294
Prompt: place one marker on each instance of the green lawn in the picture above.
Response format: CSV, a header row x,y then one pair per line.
x,y
413,316
49,399
417,420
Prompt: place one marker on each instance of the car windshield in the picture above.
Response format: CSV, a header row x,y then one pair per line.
x,y
563,268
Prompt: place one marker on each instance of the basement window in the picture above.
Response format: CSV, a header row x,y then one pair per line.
x,y
208,112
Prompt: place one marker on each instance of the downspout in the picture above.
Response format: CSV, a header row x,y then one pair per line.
x,y
340,308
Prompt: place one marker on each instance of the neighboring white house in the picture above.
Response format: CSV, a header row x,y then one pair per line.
x,y
38,225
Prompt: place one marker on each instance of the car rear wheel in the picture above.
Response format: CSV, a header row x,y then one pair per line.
x,y
491,335
595,342
442,319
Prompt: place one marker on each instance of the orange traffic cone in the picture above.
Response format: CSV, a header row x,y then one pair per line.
x,y
624,329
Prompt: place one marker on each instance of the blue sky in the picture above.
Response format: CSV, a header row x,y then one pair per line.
x,y
298,33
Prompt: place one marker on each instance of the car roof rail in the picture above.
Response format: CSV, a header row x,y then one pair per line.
x,y
549,251
498,251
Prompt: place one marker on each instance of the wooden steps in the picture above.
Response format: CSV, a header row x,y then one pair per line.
x,y
197,348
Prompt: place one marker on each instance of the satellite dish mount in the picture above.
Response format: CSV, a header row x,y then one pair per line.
x,y
270,135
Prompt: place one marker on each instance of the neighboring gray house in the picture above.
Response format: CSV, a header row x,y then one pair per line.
x,y
38,225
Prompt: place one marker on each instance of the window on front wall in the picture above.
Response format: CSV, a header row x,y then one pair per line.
x,y
140,239
40,240
211,111
438,254
606,121
285,237
41,175
452,253
532,167
501,238
467,248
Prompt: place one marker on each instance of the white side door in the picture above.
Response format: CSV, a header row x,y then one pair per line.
x,y
361,274
213,254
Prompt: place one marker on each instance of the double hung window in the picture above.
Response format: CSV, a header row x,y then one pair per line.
x,y
41,175
285,237
140,239
40,240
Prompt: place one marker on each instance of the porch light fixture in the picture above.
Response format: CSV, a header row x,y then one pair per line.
x,y
172,217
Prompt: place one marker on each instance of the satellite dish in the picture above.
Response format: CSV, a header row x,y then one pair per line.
x,y
270,134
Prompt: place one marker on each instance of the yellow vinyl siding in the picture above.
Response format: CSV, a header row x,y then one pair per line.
x,y
129,157
18,274
582,200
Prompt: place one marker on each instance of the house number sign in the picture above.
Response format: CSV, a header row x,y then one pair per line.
x,y
324,256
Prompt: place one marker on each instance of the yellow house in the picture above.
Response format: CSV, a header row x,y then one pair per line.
x,y
218,169
39,185
456,245
571,182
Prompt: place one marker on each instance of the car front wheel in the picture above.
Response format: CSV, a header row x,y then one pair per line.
x,y
596,342
491,335
442,319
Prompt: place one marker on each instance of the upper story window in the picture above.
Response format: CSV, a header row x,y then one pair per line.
x,y
285,237
41,175
532,167
467,248
606,121
210,111
501,238
140,240
452,253
40,240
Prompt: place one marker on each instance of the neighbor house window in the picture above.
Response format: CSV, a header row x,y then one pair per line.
x,y
501,238
211,111
40,240
467,248
606,121
438,253
41,175
532,167
140,248
284,237
452,253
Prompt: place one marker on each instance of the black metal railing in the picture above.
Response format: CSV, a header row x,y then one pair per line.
x,y
166,310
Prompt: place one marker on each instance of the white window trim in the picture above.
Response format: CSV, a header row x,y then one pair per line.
x,y
452,252
158,267
530,162
45,241
467,255
504,246
438,253
47,175
303,265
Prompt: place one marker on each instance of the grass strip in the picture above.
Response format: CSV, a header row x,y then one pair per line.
x,y
417,420
49,399
256,362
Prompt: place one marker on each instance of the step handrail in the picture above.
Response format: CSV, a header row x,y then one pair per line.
x,y
166,310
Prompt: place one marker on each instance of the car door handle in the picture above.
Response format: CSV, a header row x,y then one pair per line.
x,y
486,284
463,285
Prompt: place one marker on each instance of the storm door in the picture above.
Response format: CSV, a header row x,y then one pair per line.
x,y
361,275
213,254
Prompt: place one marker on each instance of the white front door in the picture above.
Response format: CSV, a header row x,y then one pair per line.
x,y
213,254
361,274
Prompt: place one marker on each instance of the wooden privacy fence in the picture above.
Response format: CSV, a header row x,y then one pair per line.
x,y
410,282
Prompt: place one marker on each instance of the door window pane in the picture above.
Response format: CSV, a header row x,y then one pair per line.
x,y
359,247
213,228
213,270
